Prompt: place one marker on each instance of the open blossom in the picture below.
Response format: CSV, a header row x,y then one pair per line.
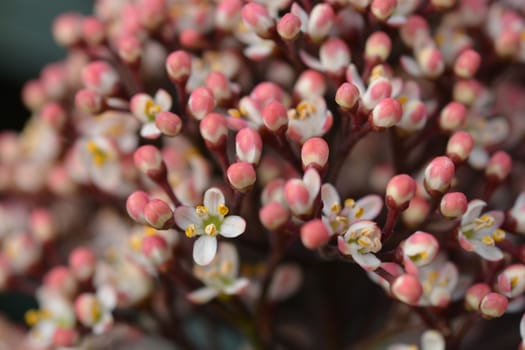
x,y
419,249
479,233
146,108
309,119
207,221
101,161
439,279
220,276
361,240
338,218
300,194
94,310
485,132
379,86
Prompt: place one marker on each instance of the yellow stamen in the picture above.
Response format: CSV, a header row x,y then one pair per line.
x,y
32,317
223,210
498,235
305,109
96,312
488,240
336,208
99,155
359,212
377,72
191,230
292,114
150,231
201,210
234,113
226,267
440,39
403,99
151,108
210,230
514,282
364,242
135,242
349,203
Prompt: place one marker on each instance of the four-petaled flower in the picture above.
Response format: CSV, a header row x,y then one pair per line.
x,y
361,240
146,108
207,221
309,119
439,279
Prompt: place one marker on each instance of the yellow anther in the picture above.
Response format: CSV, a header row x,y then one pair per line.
x,y
135,242
440,39
419,256
336,208
223,210
432,276
96,312
292,114
359,212
498,235
349,203
522,35
364,242
488,240
305,107
150,231
191,230
152,108
32,317
99,156
413,347
514,282
201,210
403,99
377,72
226,267
342,220
483,222
210,230
234,113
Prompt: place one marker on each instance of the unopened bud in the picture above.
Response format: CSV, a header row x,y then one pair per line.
x,y
201,102
438,175
399,191
493,305
386,114
168,123
475,294
459,146
347,96
407,289
82,262
241,176
148,160
467,64
378,46
156,249
275,116
248,146
214,130
499,166
158,214
315,152
452,116
178,66
453,205
273,215
289,26
314,234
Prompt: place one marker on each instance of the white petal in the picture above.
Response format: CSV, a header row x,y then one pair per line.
x,y
212,199
138,105
107,296
312,181
311,61
478,158
104,324
237,287
202,295
185,216
286,281
432,340
150,131
367,261
410,66
396,20
371,204
353,77
227,253
204,249
260,50
108,176
330,197
344,247
163,99
490,253
232,226
473,211
301,13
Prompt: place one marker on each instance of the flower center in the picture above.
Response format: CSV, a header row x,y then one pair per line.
x,y
100,157
304,110
151,109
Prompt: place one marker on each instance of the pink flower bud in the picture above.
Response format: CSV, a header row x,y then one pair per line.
x,y
228,14
431,62
158,214
289,26
267,92
257,19
53,114
453,205
33,94
499,166
399,191
148,160
100,77
82,263
61,280
386,114
493,305
241,176
475,294
383,9
378,46
335,56
67,29
53,77
178,66
156,249
65,337
406,288
135,205
129,49
89,101
347,96
416,213
273,215
467,91
192,38
419,249
214,130
42,225
467,64
511,281
219,86
309,85
93,30
452,116
314,234
201,102
414,116
275,116
378,90
248,146
507,42
315,153
168,123
152,13
438,175
414,28
459,146
320,22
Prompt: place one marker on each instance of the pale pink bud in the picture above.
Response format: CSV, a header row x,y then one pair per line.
x,y
61,280
467,91
135,205
459,146
257,19
320,22
315,153
156,249
241,176
42,225
314,234
507,42
414,116
267,92
93,30
431,62
100,77
201,102
347,96
493,305
452,116
310,83
34,94
416,213
438,175
453,205
499,166
275,116
67,29
383,9
399,191
89,101
219,86
129,48
248,145
192,38
178,66
228,14
335,56
298,196
82,263
214,130
53,77
148,160
406,288
467,64
378,46
158,214
289,26
65,337
386,114
53,114
273,215
414,28
419,249
475,294
168,123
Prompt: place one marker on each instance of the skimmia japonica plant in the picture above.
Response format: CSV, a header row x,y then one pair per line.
x,y
272,174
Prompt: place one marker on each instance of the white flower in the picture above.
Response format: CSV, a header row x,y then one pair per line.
x,y
518,213
207,221
439,279
146,109
309,119
117,126
486,132
361,240
219,276
100,159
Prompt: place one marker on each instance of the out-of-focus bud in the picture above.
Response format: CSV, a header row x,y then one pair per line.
x,y
85,305
378,46
289,26
100,77
93,30
438,176
320,22
314,234
152,13
228,14
135,205
431,62
310,84
383,9
53,114
475,294
507,42
67,29
129,49
499,166
315,153
89,101
192,38
214,130
82,263
347,96
158,214
399,191
459,146
248,146
257,19
275,116
241,176
467,64
466,91
273,215
419,249
335,56
452,116
416,213
178,66
219,86
42,225
61,280
414,116
511,281
64,337
453,205
168,123
493,305
201,102
156,249
406,288
415,27
33,94
386,114
148,160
